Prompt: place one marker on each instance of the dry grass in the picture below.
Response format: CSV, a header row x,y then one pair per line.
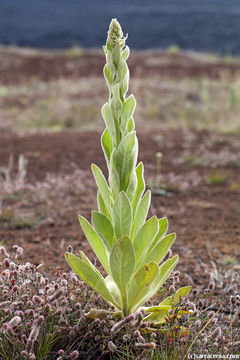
x,y
201,103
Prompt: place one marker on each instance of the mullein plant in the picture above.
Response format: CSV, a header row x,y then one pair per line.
x,y
130,249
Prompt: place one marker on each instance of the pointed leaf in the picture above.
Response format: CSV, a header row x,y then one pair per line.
x,y
114,179
107,75
96,242
91,277
159,251
122,262
108,119
127,110
115,102
88,262
130,125
122,70
122,215
126,157
140,185
131,189
124,88
113,289
163,228
125,53
101,205
141,283
102,186
164,271
158,314
175,298
144,238
141,213
107,145
104,228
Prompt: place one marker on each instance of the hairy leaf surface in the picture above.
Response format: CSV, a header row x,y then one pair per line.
x,y
95,241
122,215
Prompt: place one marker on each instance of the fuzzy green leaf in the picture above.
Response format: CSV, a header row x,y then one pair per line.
x,y
102,186
107,76
141,213
107,145
108,119
126,53
126,157
141,283
131,125
159,251
140,185
123,70
113,288
127,110
164,271
175,298
88,262
101,205
115,103
144,238
158,314
114,180
163,228
122,215
91,277
131,189
104,228
96,242
122,263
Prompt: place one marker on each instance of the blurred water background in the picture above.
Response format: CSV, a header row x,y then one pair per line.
x,y
206,25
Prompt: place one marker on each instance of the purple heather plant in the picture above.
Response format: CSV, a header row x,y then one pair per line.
x,y
46,319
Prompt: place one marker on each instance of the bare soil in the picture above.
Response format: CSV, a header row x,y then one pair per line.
x,y
205,217
20,66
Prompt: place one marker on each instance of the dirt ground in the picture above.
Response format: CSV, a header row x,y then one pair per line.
x,y
19,66
205,217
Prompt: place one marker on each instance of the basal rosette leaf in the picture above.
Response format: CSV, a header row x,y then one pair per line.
x,y
164,271
159,313
103,226
96,242
141,283
92,277
122,264
175,298
163,228
144,238
159,251
113,288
